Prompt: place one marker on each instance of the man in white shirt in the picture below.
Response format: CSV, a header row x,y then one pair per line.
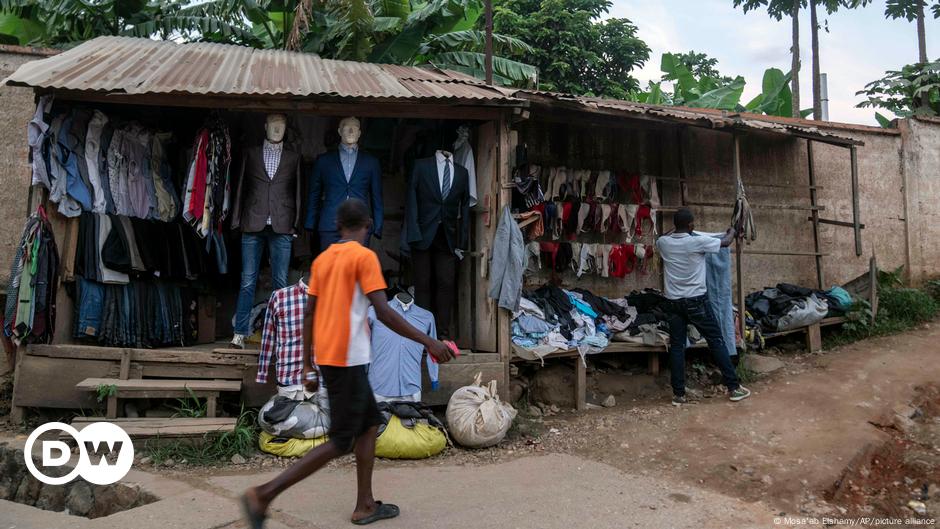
x,y
683,254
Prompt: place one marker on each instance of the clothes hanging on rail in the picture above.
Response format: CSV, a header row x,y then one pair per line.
x,y
29,314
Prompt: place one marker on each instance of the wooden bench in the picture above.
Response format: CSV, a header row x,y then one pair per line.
x,y
164,428
813,333
160,388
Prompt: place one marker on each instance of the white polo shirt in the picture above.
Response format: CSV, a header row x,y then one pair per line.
x,y
684,263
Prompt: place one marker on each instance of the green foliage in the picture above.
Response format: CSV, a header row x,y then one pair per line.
x,y
914,90
103,391
191,406
211,448
574,50
776,98
907,9
900,308
701,65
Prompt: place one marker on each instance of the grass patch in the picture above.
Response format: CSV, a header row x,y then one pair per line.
x,y
900,308
211,448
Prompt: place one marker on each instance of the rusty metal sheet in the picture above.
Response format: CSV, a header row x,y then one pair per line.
x,y
144,66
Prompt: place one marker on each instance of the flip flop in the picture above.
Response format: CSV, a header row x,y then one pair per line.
x,y
255,520
383,511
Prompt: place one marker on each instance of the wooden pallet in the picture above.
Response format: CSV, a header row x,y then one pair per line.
x,y
159,427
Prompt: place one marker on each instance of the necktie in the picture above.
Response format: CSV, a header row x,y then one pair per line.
x,y
445,186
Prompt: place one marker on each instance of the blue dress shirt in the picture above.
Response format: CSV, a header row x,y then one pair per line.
x,y
347,156
396,361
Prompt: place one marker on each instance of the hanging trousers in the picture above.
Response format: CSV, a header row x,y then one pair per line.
x,y
435,278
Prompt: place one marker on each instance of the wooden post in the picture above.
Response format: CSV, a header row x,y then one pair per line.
x,y
853,150
820,282
683,190
506,145
488,44
580,384
17,413
739,251
211,405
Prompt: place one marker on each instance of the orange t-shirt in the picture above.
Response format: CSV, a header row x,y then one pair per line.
x,y
340,278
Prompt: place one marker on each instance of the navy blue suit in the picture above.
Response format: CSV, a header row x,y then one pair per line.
x,y
328,189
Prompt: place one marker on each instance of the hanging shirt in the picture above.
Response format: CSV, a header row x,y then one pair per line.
x,y
348,154
282,337
37,135
396,361
463,155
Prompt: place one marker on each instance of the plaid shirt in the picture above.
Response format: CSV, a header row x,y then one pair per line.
x,y
271,152
282,336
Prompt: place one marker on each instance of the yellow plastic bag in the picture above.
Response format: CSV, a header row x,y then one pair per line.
x,y
286,446
398,442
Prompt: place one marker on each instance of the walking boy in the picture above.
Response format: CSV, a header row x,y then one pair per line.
x,y
344,280
683,253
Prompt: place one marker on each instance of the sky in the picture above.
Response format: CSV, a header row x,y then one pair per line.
x,y
860,46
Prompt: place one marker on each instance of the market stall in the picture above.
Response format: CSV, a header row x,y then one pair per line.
x,y
152,160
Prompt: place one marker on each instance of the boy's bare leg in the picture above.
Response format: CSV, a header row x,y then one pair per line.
x,y
260,497
365,461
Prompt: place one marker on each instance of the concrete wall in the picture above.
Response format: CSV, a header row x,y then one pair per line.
x,y
920,160
16,109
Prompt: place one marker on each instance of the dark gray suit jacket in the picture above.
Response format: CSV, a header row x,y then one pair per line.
x,y
426,210
259,197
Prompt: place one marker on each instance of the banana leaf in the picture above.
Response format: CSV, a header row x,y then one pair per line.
x,y
513,71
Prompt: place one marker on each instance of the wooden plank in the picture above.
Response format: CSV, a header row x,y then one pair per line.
x,y
507,143
215,371
184,356
795,207
112,411
161,384
853,156
739,249
32,387
773,252
838,223
814,215
125,365
18,406
813,338
211,406
163,394
580,384
483,336
652,363
160,427
727,183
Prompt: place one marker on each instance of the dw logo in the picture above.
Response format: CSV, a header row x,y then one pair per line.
x,y
95,442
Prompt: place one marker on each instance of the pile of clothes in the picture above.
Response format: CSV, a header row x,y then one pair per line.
x,y
552,319
91,162
142,314
787,306
29,314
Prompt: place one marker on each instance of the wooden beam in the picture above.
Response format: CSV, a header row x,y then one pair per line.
x,y
746,184
793,207
736,157
507,143
814,215
88,352
782,252
853,155
482,110
838,223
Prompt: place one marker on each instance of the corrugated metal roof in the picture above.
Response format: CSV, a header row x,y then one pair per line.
x,y
143,66
711,118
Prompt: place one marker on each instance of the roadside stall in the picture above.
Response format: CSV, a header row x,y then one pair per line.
x,y
152,158
596,180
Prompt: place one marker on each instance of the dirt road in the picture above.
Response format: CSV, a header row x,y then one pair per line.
x,y
641,464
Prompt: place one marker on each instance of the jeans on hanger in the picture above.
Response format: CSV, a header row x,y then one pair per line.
x,y
698,312
253,244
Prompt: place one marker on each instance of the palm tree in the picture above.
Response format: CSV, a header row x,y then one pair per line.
x,y
778,9
912,10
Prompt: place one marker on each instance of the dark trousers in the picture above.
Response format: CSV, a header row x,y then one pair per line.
x,y
698,312
435,278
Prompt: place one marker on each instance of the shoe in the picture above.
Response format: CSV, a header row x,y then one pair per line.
x,y
238,341
739,394
679,400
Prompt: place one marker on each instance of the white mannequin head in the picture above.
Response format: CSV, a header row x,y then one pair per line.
x,y
274,127
349,131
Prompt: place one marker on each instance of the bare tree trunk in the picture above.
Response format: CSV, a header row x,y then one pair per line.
x,y
817,97
795,65
921,33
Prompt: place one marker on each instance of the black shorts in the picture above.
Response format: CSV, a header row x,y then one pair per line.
x,y
352,404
